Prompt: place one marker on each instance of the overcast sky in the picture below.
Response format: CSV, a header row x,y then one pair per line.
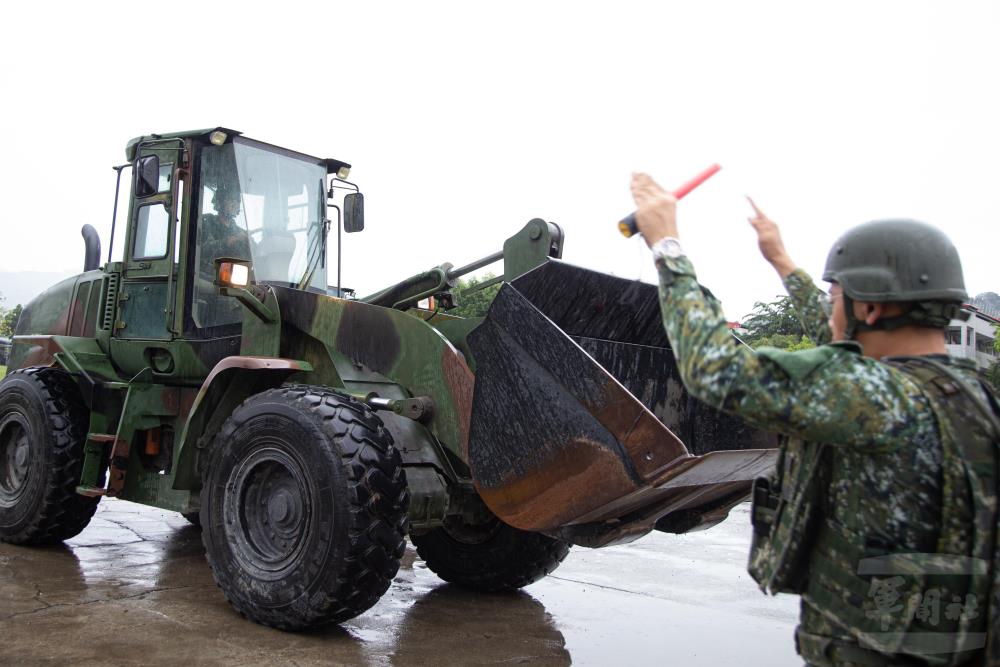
x,y
464,120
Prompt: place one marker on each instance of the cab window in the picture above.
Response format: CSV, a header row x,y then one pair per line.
x,y
151,230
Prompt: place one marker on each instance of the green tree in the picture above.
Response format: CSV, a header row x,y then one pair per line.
x,y
8,321
476,303
804,343
775,324
789,342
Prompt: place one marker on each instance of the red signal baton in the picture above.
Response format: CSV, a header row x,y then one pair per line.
x,y
628,227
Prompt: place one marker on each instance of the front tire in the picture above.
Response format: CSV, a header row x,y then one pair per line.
x,y
490,556
43,431
303,508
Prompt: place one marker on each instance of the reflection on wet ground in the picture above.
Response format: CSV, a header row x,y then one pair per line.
x,y
134,588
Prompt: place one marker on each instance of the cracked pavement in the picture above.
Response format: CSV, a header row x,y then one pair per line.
x,y
134,588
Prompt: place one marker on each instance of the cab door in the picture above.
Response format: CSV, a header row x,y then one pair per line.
x,y
146,303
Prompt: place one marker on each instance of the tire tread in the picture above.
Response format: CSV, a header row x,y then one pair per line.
x,y
64,513
379,501
512,559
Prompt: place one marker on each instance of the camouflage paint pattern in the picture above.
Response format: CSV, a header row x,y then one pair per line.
x,y
158,386
404,349
885,486
48,313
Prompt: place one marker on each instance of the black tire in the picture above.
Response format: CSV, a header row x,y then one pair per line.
x,y
43,431
491,556
303,508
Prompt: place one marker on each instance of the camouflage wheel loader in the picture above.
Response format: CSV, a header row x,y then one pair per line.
x,y
213,371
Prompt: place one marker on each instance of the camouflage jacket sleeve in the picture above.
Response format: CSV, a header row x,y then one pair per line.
x,y
806,299
828,394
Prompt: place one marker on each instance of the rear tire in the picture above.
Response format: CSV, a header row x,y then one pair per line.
x,y
491,556
43,431
303,508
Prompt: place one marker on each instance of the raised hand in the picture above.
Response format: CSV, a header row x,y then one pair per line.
x,y
655,209
770,243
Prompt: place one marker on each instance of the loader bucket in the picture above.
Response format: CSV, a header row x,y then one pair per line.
x,y
580,423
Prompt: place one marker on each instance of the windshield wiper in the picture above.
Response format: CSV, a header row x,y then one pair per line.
x,y
315,252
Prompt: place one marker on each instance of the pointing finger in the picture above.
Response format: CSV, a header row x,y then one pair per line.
x,y
760,214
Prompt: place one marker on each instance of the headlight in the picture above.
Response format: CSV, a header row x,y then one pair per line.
x,y
232,274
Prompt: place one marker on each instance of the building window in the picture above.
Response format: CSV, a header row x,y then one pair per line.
x,y
953,336
984,344
970,335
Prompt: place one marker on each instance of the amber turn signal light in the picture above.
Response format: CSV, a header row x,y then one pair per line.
x,y
232,274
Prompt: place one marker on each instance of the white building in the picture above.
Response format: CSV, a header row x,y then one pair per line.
x,y
973,339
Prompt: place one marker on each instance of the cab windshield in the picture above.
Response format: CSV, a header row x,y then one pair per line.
x,y
262,204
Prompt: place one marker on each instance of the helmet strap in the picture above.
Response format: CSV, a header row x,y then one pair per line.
x,y
915,318
852,322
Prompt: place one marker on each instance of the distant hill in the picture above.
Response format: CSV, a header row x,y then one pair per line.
x,y
23,286
988,302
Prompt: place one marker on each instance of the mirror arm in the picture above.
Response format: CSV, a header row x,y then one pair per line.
x,y
340,290
329,196
340,223
352,186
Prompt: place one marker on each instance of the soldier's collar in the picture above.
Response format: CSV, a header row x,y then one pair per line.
x,y
958,362
849,345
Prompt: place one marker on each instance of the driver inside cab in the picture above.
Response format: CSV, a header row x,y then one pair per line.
x,y
221,234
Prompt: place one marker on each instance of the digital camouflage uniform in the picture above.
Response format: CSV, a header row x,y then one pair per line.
x,y
878,482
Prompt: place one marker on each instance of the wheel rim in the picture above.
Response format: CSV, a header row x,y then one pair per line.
x,y
15,457
267,510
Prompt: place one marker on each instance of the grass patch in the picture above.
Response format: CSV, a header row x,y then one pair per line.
x,y
3,371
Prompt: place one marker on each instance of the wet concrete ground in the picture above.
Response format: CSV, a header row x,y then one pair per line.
x,y
134,588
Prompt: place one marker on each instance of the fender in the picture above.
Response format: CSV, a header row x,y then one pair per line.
x,y
233,380
81,357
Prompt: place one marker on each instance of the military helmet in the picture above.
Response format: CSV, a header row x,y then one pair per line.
x,y
226,191
896,260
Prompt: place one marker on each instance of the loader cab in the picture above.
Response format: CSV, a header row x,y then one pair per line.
x,y
265,205
197,197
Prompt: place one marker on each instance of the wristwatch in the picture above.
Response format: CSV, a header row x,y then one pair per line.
x,y
667,247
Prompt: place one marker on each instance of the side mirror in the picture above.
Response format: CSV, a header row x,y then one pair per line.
x,y
354,212
147,176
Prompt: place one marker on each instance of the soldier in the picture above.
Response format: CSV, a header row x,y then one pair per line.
x,y
220,233
882,510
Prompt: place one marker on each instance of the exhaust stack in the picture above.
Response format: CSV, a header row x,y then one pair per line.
x,y
92,245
